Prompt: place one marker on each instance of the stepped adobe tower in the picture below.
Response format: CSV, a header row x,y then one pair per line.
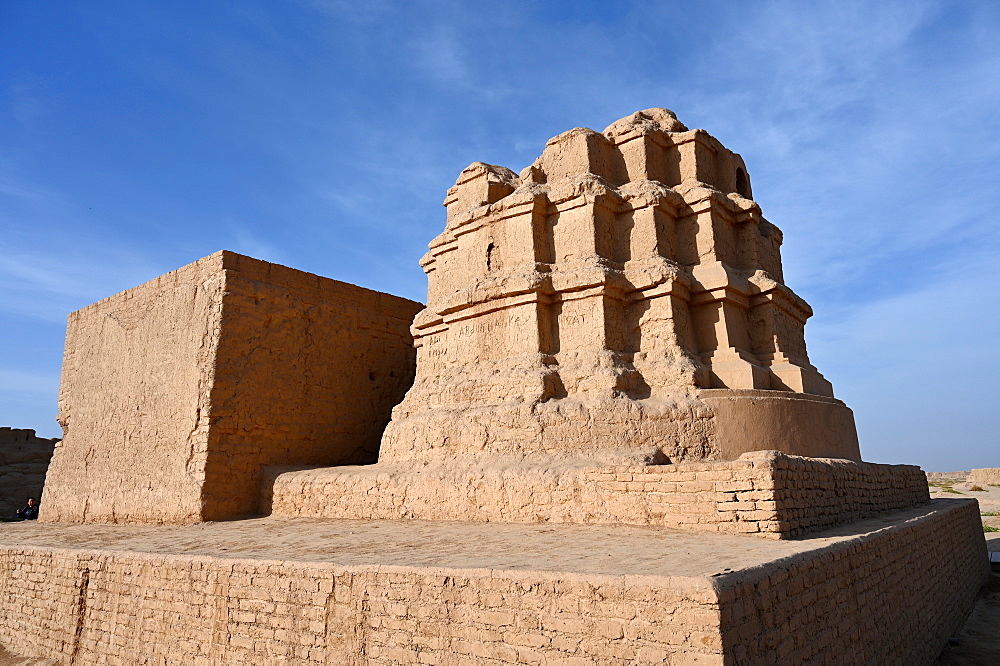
x,y
622,299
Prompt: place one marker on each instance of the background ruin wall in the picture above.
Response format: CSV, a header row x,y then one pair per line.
x,y
986,475
24,459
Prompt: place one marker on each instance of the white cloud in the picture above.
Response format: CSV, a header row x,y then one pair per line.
x,y
47,285
919,367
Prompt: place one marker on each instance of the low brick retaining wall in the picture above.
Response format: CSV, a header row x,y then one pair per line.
x,y
764,493
890,597
889,593
87,607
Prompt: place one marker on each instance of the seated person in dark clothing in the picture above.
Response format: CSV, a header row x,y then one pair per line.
x,y
29,512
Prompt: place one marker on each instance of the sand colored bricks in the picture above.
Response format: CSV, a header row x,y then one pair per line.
x,y
987,475
176,393
765,494
622,298
884,591
24,459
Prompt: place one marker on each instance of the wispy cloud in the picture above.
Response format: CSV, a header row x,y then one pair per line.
x,y
34,284
918,367
28,102
360,12
323,134
441,57
12,188
852,132
37,383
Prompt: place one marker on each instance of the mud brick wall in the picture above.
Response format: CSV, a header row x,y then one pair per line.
x,y
985,476
24,459
308,371
134,399
889,596
810,493
763,493
126,608
892,597
175,393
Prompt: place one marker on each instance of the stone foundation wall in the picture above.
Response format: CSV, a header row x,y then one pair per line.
x,y
24,459
762,493
889,596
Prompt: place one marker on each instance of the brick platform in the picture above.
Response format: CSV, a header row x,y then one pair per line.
x,y
888,590
763,493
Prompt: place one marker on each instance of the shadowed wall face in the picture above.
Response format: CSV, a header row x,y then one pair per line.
x,y
176,393
24,459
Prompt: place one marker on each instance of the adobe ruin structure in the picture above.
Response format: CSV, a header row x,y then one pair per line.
x,y
622,295
614,450
986,475
177,393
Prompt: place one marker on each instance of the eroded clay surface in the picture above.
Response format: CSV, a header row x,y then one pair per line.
x,y
584,304
176,393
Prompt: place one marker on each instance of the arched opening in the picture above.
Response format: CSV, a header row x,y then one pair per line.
x,y
742,183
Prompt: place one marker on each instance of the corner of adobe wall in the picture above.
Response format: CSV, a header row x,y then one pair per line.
x,y
177,392
133,402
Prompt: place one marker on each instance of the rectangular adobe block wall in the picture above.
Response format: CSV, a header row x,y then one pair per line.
x,y
762,493
891,596
176,393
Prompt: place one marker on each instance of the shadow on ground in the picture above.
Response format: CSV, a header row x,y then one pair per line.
x,y
979,641
7,659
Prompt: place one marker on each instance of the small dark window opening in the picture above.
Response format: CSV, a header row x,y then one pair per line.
x,y
742,183
489,254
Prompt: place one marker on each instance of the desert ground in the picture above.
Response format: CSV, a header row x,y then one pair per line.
x,y
979,642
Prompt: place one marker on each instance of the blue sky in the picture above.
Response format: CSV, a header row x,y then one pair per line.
x,y
136,137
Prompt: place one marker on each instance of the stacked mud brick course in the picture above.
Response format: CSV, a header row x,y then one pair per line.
x,y
768,494
894,600
24,459
891,596
206,610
